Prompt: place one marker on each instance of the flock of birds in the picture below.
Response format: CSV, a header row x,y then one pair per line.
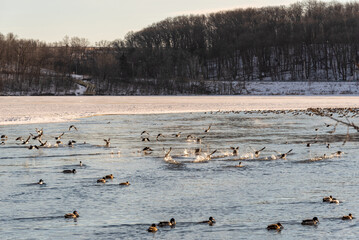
x,y
278,226
203,157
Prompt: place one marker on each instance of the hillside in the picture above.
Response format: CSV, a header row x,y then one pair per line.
x,y
310,41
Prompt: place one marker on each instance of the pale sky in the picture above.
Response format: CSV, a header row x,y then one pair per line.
x,y
51,20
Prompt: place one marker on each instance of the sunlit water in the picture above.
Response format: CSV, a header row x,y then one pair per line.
x,y
242,200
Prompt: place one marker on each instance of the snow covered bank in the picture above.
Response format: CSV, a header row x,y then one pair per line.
x,y
295,88
39,109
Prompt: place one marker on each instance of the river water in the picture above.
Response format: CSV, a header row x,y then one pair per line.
x,y
185,186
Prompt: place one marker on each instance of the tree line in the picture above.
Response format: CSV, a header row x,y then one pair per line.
x,y
307,41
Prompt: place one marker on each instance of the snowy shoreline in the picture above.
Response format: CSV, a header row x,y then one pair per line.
x,y
43,109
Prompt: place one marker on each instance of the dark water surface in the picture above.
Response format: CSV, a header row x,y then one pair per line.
x,y
242,200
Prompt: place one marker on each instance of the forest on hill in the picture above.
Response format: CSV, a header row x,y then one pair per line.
x,y
306,41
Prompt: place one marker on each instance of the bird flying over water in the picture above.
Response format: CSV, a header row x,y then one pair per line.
x,y
73,126
59,137
107,141
207,130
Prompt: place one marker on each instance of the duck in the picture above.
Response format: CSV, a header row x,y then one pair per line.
x,y
327,199
109,176
41,182
153,228
334,200
74,214
171,223
101,180
125,183
69,171
239,165
349,217
210,221
313,221
81,164
276,226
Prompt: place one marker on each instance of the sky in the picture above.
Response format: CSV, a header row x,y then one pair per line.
x,y
96,20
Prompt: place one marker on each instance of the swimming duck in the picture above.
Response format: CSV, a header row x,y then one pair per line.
x,y
277,226
72,215
239,165
69,171
40,182
171,223
349,217
81,164
210,221
334,200
125,184
101,180
327,199
152,228
313,221
109,176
